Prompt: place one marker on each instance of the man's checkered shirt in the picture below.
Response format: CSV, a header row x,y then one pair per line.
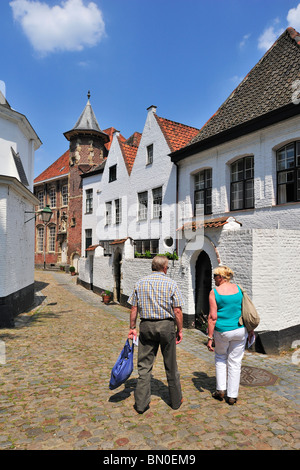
x,y
156,295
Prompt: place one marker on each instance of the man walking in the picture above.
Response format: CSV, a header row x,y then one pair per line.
x,y
159,303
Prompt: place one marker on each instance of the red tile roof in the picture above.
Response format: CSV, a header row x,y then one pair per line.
x,y
59,168
177,135
210,223
110,132
129,149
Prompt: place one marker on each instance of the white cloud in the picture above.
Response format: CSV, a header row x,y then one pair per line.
x,y
269,36
70,26
244,40
293,17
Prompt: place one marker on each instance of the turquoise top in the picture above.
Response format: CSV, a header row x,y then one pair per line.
x,y
229,311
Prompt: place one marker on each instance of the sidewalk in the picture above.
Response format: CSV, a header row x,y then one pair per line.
x,y
54,391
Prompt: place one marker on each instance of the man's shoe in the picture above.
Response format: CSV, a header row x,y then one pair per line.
x,y
141,412
177,407
219,395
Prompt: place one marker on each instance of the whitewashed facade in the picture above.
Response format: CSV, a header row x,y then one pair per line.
x,y
18,142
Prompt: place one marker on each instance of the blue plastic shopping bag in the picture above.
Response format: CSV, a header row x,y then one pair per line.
x,y
123,367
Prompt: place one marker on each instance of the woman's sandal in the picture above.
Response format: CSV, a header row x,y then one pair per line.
x,y
219,395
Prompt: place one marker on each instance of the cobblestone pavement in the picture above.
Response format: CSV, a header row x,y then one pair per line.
x,y
54,386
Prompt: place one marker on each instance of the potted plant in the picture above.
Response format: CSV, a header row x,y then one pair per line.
x,y
72,270
106,297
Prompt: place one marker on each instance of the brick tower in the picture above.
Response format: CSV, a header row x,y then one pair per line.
x,y
87,150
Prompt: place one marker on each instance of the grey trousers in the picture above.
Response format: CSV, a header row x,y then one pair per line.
x,y
155,333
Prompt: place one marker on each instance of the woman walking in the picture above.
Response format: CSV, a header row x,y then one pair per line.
x,y
225,308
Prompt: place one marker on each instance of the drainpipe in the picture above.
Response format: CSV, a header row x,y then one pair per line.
x,y
177,198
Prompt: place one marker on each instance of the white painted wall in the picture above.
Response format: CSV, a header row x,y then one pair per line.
x,y
16,238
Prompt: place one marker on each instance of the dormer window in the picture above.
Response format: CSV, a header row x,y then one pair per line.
x,y
112,173
150,154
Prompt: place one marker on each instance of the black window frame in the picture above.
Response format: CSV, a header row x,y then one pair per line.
x,y
89,201
244,180
149,154
112,176
293,169
206,191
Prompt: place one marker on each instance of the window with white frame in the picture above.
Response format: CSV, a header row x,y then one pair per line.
x,y
40,197
118,210
157,202
108,213
89,201
288,173
203,189
64,195
40,238
242,184
142,205
149,154
52,234
52,197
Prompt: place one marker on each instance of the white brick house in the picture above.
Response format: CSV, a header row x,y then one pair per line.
x,y
136,213
244,166
18,142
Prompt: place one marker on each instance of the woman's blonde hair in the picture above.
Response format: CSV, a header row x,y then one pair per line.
x,y
224,271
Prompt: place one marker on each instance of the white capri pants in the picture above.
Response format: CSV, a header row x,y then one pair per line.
x,y
229,352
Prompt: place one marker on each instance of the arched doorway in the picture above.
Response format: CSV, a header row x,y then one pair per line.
x,y
117,271
203,288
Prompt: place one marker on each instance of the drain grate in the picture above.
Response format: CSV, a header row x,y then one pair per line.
x,y
253,376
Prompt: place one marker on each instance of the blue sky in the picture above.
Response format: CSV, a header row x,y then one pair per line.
x,y
185,57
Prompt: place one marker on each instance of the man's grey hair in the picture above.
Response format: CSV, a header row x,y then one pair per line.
x,y
159,262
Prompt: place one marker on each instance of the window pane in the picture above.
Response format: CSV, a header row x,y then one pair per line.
x,y
108,213
118,207
51,238
249,167
143,204
285,177
285,158
237,171
40,244
138,246
150,154
298,185
208,178
237,196
157,202
208,206
154,247
249,194
64,193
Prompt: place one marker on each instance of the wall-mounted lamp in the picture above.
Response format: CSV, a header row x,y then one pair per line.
x,y
45,214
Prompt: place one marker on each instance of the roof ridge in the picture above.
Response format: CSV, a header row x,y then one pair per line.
x,y
175,122
209,128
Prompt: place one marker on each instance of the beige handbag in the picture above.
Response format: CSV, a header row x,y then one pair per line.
x,y
249,318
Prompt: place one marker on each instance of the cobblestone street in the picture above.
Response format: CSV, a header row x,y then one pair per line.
x,y
54,391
